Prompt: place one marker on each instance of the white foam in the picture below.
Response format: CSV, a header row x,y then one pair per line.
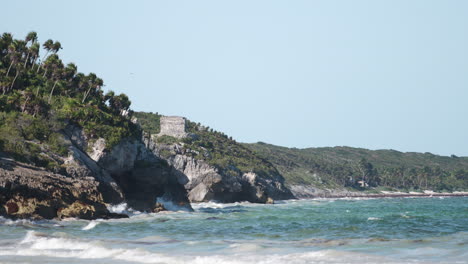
x,y
42,246
91,225
118,208
169,205
37,244
373,219
216,205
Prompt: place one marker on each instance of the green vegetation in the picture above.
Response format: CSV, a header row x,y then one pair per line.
x,y
346,167
149,122
39,96
214,147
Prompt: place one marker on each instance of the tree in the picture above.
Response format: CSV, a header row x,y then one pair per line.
x,y
55,65
48,46
94,85
34,50
118,104
366,170
56,75
31,37
14,56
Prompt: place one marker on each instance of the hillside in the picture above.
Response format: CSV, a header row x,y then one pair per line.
x,y
214,147
40,96
334,167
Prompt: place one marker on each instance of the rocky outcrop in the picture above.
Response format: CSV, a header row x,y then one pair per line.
x,y
205,182
92,177
79,164
31,192
142,176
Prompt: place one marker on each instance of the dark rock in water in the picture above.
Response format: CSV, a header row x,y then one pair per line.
x,y
214,218
80,210
158,207
115,216
31,192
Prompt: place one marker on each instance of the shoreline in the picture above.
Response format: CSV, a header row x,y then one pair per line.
x,y
310,192
388,195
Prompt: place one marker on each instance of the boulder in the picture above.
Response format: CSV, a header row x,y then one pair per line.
x,y
30,192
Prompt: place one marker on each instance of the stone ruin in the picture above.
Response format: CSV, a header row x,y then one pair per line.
x,y
174,126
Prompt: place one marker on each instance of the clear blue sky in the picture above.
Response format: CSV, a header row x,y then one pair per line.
x,y
373,74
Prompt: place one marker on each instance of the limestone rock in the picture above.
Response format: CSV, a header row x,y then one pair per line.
x,y
205,182
31,192
158,207
128,171
79,210
142,176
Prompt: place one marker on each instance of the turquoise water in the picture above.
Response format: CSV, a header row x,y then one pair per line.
x,y
387,230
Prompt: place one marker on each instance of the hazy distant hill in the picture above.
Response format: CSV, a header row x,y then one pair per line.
x,y
346,166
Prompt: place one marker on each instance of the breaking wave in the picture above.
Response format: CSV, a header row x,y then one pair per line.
x,y
45,248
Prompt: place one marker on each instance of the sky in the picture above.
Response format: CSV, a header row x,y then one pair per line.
x,y
365,73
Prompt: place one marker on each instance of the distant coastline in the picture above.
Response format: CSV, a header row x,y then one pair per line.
x,y
310,192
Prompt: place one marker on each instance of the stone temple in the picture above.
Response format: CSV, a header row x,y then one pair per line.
x,y
173,126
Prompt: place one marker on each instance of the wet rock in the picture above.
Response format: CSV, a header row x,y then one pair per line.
x,y
31,192
78,210
158,207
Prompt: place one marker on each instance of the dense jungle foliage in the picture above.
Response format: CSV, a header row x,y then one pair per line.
x,y
40,96
365,169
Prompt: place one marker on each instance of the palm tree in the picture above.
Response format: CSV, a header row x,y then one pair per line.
x,y
32,36
14,57
51,63
28,95
79,82
56,75
119,103
34,49
18,71
21,48
48,46
57,72
56,47
91,78
109,98
69,74
5,42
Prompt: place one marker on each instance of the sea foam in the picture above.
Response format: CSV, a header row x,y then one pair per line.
x,y
48,248
91,225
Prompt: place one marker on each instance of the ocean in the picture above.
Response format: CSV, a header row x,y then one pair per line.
x,y
384,230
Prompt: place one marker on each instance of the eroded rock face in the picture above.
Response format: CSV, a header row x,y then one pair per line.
x,y
93,177
142,176
30,192
128,171
205,182
79,164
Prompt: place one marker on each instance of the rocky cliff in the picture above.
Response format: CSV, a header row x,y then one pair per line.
x,y
128,168
209,164
31,192
92,177
205,182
